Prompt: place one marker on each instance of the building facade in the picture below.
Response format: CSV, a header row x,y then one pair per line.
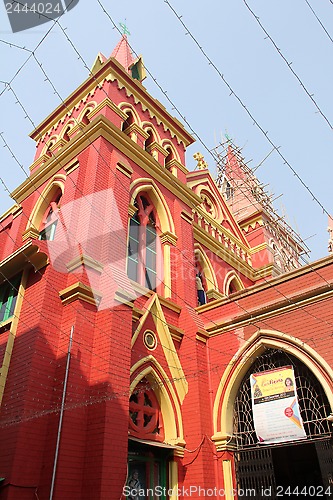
x,y
138,296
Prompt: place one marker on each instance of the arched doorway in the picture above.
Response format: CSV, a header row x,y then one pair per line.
x,y
288,470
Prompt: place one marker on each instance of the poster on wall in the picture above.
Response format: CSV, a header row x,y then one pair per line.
x,y
275,407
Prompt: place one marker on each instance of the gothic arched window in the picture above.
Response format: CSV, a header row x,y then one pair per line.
x,y
50,218
142,248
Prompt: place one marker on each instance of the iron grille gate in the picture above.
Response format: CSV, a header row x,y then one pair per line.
x,y
325,457
254,464
255,472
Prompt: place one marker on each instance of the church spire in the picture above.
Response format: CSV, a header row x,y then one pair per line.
x,y
123,54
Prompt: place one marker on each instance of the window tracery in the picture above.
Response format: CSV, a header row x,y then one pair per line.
x,y
145,418
142,247
50,219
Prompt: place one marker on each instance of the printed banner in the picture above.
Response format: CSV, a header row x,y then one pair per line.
x,y
275,407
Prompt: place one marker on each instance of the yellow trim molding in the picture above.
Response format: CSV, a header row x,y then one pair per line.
x,y
111,70
15,210
12,333
35,219
164,214
102,127
153,307
84,260
71,166
13,263
223,409
124,169
170,417
79,291
168,237
111,105
227,479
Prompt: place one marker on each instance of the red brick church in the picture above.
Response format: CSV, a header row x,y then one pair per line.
x,y
150,315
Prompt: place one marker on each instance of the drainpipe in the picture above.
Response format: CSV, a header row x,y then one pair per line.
x,y
61,413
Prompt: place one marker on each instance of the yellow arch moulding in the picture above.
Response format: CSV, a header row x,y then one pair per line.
x,y
153,307
32,228
242,361
169,418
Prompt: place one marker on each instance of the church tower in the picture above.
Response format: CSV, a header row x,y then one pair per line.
x,y
135,296
253,209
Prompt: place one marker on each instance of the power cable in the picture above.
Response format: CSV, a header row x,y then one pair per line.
x,y
289,64
317,318
319,21
249,113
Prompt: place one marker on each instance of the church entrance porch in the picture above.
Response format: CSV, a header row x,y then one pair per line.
x,y
294,469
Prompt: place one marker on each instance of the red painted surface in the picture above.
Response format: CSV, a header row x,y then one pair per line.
x,y
92,459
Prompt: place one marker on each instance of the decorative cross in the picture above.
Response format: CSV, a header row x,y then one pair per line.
x,y
124,28
201,163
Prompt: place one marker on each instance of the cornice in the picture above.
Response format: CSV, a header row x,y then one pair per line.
x,y
214,294
175,163
134,127
156,146
102,127
28,253
201,236
86,261
111,105
79,291
271,282
14,210
168,237
283,306
177,334
202,336
258,248
111,70
239,240
124,297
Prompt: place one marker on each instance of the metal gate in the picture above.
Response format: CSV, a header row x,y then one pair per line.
x,y
254,463
325,457
255,472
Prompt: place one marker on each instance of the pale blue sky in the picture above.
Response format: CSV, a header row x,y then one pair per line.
x,y
234,41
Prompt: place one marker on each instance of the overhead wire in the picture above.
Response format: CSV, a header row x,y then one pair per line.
x,y
76,50
40,41
318,19
247,110
23,108
115,26
289,64
164,92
